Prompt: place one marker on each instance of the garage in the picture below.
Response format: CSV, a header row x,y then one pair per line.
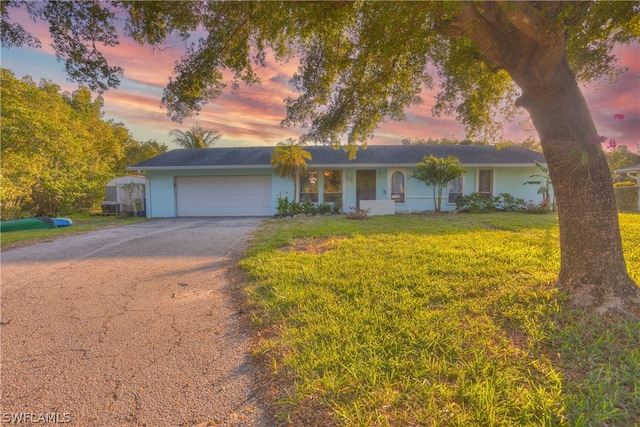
x,y
241,195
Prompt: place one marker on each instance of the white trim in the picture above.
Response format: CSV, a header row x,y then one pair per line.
x,y
493,179
462,180
342,183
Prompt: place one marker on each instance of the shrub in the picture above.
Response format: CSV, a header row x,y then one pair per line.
x,y
307,207
478,203
357,213
626,196
282,206
337,206
507,203
475,203
536,208
295,208
324,208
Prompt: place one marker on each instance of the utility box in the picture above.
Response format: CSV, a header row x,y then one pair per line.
x,y
125,196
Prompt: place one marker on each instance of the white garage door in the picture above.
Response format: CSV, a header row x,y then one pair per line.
x,y
246,195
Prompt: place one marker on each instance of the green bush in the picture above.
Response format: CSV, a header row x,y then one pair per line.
x,y
507,203
285,207
337,206
324,208
475,203
282,206
307,207
295,208
626,196
478,203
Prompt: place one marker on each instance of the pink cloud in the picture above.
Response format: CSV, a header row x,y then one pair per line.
x,y
253,115
621,97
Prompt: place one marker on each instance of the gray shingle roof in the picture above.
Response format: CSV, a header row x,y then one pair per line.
x,y
374,155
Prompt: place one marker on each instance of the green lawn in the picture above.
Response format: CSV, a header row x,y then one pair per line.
x,y
436,320
82,223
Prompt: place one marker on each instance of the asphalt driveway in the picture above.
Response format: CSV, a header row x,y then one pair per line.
x,y
132,325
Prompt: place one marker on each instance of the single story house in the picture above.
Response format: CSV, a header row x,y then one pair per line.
x,y
239,181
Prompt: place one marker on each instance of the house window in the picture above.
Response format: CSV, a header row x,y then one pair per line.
x,y
397,186
309,187
454,190
332,189
485,182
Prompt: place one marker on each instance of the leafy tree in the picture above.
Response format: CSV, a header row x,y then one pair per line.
x,y
620,157
196,137
364,62
437,173
289,160
531,144
57,152
136,151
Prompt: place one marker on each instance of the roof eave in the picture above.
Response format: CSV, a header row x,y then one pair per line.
x,y
627,170
323,165
202,167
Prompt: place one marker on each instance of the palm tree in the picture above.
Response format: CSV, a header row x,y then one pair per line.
x,y
289,159
438,172
196,137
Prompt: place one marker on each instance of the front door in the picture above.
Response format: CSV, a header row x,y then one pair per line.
x,y
365,185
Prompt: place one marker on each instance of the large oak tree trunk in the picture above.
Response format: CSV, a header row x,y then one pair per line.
x,y
593,269
516,37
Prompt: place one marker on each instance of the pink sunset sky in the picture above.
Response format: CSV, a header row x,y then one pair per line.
x,y
253,116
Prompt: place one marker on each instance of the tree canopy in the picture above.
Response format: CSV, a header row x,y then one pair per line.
x,y
361,62
620,157
57,151
365,62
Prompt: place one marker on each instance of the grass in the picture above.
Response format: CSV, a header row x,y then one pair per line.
x,y
437,320
82,223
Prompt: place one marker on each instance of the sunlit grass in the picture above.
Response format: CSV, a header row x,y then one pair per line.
x,y
440,320
82,223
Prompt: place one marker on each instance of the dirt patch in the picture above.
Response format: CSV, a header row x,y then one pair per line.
x,y
312,245
490,226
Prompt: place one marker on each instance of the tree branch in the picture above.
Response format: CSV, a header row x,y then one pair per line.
x,y
481,31
529,21
526,19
